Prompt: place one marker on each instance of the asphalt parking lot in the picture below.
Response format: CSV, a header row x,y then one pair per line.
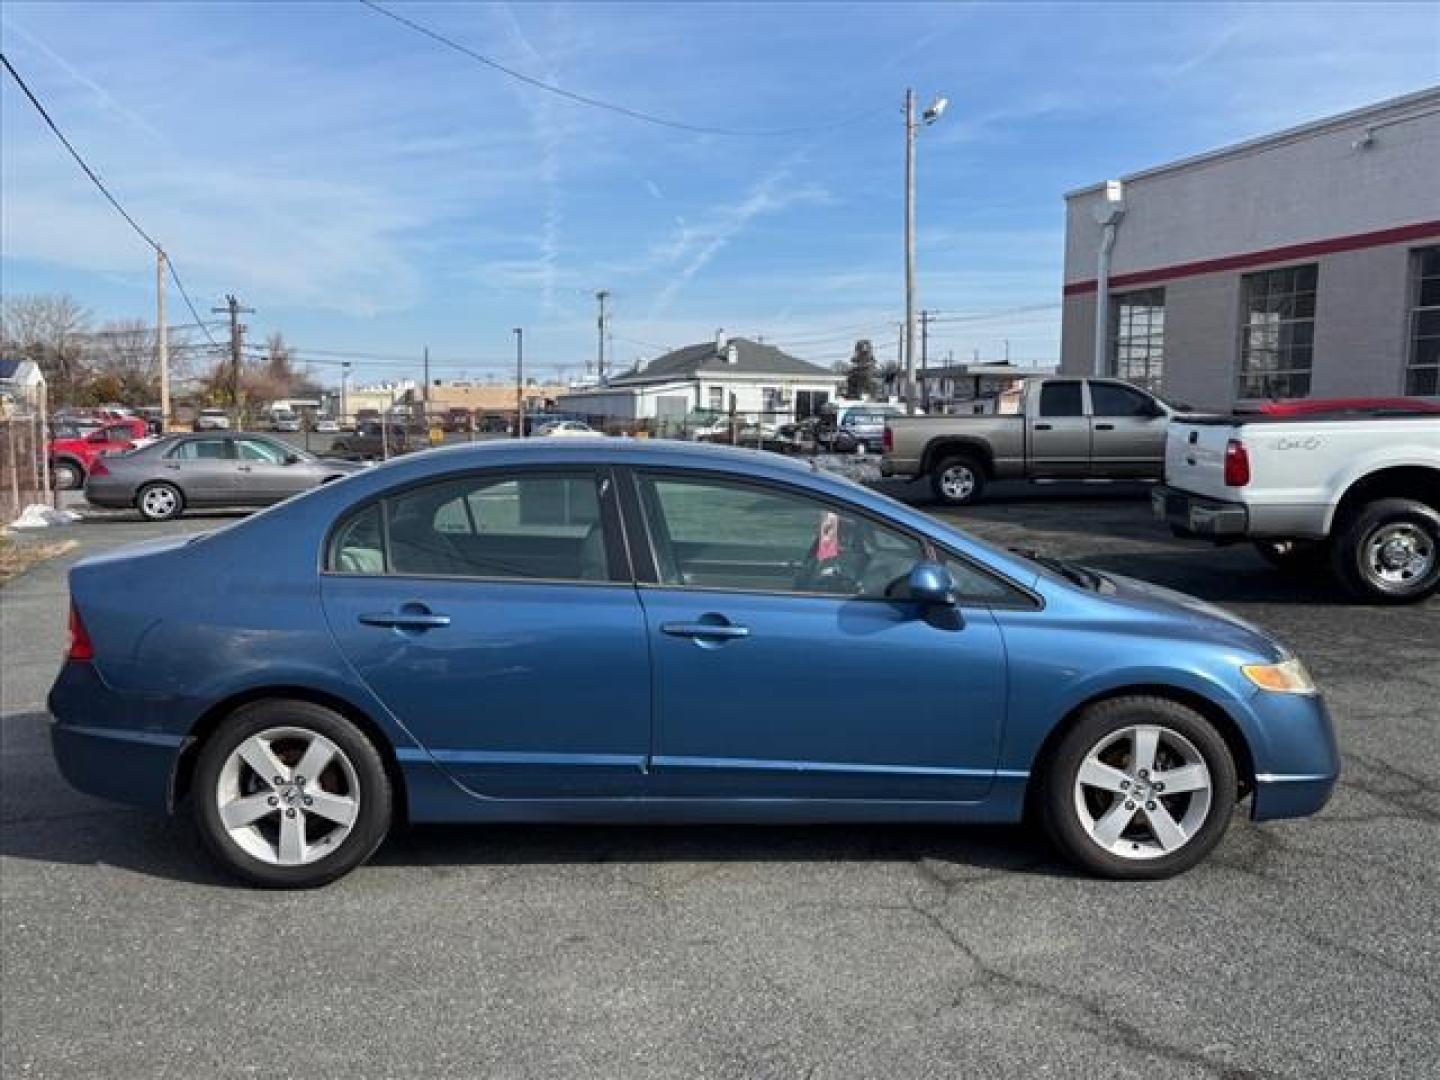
x,y
1304,949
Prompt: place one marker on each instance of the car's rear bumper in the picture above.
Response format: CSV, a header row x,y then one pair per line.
x,y
1196,515
103,744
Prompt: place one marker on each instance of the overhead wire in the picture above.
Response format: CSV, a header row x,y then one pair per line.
x,y
598,103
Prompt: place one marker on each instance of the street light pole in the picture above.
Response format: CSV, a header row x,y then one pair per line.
x,y
519,383
908,339
162,340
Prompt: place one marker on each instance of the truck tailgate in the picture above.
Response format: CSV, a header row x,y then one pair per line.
x,y
1195,456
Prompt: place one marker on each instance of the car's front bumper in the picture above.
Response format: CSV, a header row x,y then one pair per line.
x,y
1296,757
1195,515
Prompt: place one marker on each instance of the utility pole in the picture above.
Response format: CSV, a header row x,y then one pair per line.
x,y
425,393
519,383
344,390
162,339
602,324
925,317
234,309
909,335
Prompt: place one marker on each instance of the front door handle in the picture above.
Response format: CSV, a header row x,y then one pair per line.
x,y
1042,427
1104,427
409,617
704,630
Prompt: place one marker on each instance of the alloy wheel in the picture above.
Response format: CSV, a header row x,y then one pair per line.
x,y
288,796
957,482
1143,792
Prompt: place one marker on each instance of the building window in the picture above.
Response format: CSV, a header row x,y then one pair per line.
x,y
1277,336
1137,337
717,398
772,400
1423,375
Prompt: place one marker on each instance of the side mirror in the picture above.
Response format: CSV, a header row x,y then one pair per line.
x,y
930,583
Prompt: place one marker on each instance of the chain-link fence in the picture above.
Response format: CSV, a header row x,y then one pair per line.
x,y
24,465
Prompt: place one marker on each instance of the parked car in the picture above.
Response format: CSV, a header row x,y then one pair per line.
x,y
1354,491
185,472
566,429
371,441
74,449
441,638
284,420
457,419
327,425
212,420
861,429
1063,429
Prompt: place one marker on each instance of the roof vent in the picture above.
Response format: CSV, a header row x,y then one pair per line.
x,y
732,353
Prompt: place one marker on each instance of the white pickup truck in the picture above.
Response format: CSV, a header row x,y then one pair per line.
x,y
1356,491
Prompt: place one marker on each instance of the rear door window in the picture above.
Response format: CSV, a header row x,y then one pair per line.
x,y
1061,399
202,450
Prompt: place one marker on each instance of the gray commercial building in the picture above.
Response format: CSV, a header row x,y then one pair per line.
x,y
1302,264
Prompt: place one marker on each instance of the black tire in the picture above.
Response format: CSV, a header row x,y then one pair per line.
x,y
1302,558
372,822
69,476
1369,571
1061,816
958,481
160,501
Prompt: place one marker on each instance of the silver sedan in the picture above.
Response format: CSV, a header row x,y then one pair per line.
x,y
211,469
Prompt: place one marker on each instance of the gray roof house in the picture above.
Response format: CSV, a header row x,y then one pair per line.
x,y
750,378
21,384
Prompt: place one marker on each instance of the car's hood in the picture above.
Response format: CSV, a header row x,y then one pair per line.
x,y
1220,623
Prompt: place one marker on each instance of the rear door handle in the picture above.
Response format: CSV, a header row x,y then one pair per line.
x,y
704,630
1042,427
1104,427
407,618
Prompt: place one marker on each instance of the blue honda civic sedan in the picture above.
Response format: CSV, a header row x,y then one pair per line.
x,y
607,630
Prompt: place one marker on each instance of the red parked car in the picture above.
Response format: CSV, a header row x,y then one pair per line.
x,y
73,451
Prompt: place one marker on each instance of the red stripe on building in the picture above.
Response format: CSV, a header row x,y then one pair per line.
x,y
1424,230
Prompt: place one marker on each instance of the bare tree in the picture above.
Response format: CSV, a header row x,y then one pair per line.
x,y
860,377
48,329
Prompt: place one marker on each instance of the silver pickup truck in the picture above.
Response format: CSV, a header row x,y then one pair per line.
x,y
1061,429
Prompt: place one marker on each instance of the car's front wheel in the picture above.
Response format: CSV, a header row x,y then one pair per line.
x,y
160,502
1139,788
289,794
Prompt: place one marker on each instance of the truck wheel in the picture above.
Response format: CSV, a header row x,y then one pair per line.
x,y
1389,552
958,481
1298,557
68,475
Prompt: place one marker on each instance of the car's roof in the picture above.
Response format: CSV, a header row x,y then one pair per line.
x,y
602,449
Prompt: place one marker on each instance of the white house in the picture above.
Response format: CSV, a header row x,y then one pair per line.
x,y
22,385
728,374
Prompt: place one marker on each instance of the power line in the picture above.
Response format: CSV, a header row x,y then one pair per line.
x,y
100,184
76,154
597,103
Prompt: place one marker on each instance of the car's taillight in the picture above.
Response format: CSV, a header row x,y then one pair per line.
x,y
80,646
97,468
888,441
1237,464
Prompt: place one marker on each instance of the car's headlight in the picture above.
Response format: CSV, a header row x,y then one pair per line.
x,y
1286,677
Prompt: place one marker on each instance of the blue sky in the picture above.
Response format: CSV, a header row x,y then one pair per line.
x,y
366,189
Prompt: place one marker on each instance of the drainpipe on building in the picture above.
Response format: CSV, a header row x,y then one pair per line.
x,y
1108,213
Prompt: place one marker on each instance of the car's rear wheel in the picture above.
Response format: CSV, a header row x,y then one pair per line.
x,y
1139,788
159,502
68,475
289,794
1390,552
958,481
